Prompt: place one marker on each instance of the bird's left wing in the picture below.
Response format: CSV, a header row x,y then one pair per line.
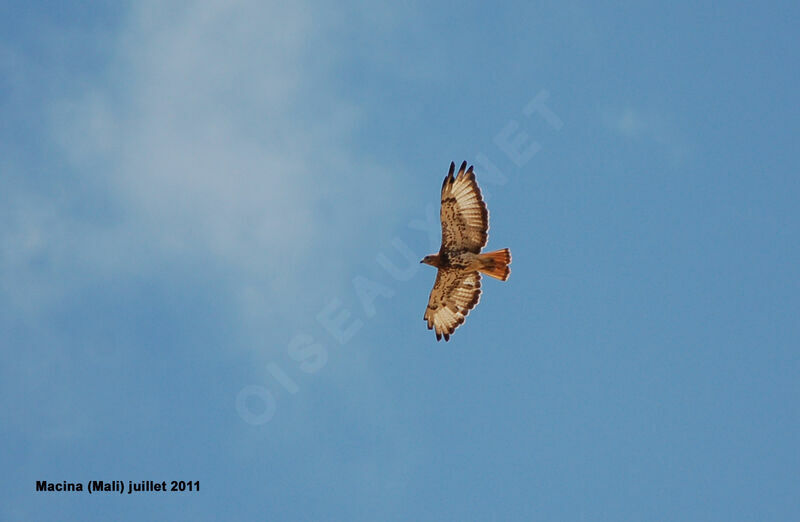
x,y
465,220
454,294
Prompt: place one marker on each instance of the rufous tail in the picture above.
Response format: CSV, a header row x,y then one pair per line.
x,y
496,263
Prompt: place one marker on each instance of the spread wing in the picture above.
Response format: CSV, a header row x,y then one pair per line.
x,y
454,294
465,220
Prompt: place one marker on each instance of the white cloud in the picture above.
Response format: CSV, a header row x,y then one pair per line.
x,y
639,124
627,122
212,135
210,138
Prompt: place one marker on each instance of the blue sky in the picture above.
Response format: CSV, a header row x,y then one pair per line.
x,y
207,210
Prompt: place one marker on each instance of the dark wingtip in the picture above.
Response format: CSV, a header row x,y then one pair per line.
x,y
438,336
463,167
449,176
446,337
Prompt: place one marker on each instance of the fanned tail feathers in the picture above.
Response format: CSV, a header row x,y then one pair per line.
x,y
495,264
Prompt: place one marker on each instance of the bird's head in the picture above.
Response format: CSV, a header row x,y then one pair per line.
x,y
431,260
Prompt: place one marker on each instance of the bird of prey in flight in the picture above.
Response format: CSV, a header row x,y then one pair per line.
x,y
465,231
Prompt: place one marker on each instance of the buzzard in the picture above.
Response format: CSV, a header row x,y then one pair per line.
x,y
465,231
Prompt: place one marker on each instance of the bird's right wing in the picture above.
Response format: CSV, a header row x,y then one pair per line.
x,y
454,294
